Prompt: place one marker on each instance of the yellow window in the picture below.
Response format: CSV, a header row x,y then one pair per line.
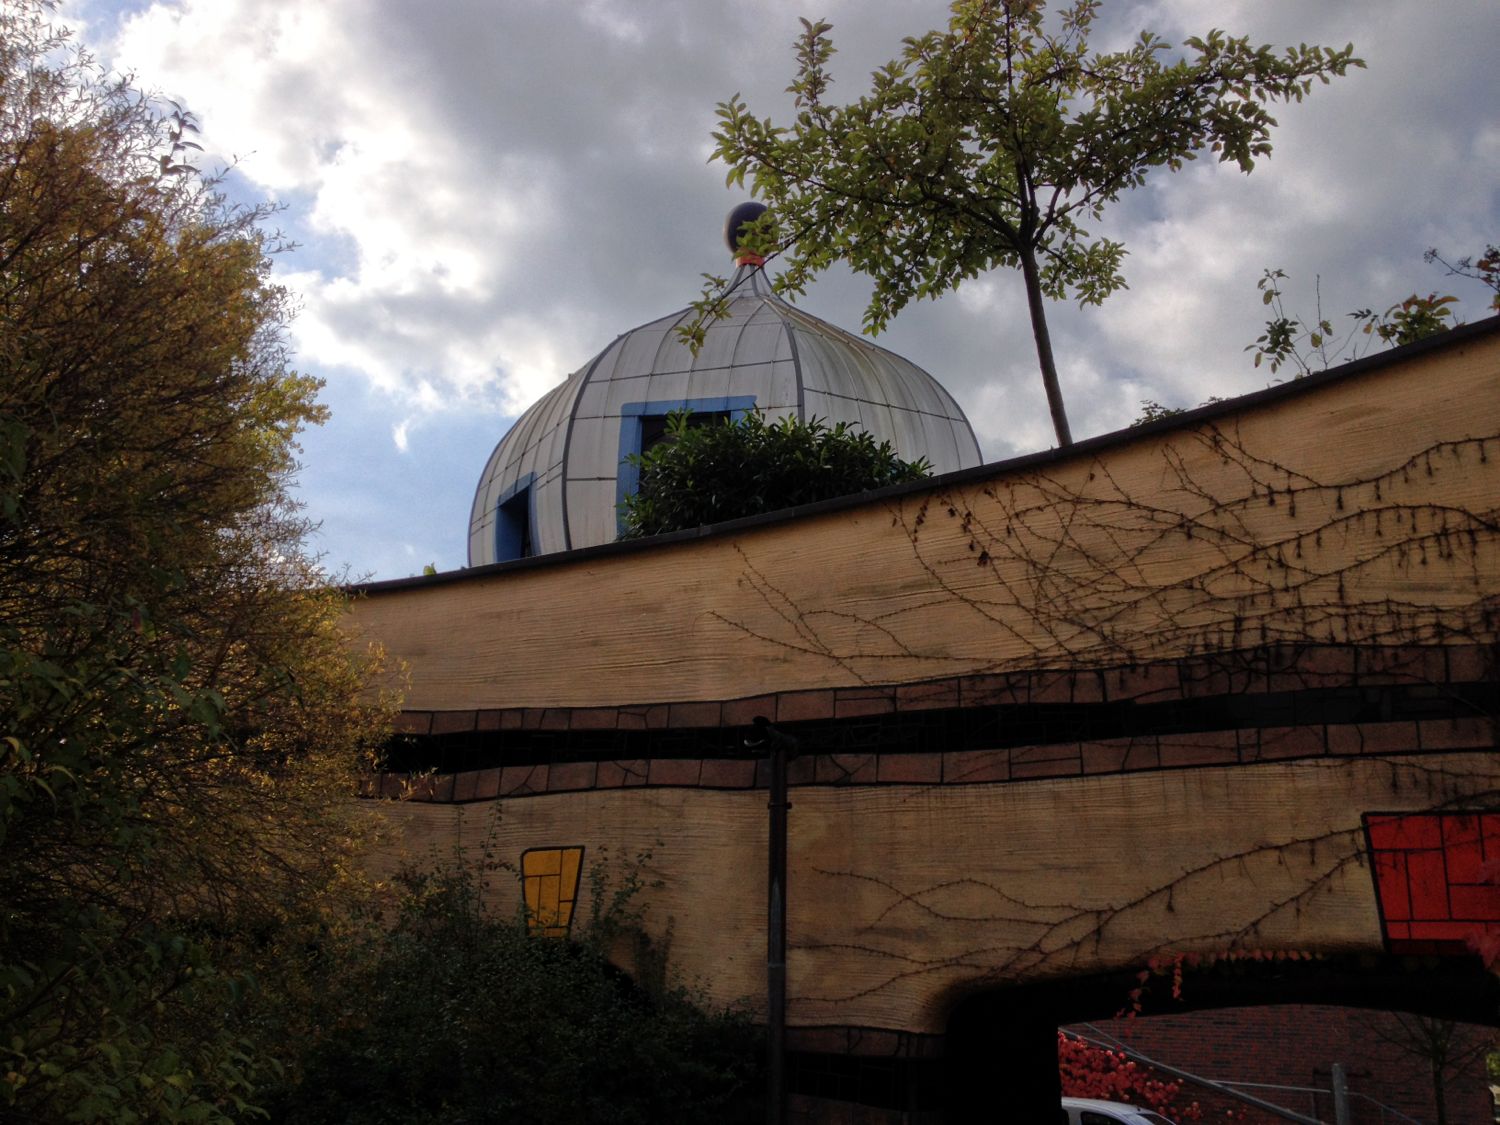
x,y
549,883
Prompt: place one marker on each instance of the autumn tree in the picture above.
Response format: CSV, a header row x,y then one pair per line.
x,y
177,715
994,144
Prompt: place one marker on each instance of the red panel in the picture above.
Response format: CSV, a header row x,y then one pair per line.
x,y
1435,882
1490,826
1441,931
1465,861
1463,841
1428,880
1462,829
1383,831
1476,904
1390,881
1418,830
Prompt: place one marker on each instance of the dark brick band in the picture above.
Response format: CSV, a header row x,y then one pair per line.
x,y
1239,709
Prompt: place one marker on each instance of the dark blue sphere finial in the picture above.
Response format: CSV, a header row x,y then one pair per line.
x,y
738,218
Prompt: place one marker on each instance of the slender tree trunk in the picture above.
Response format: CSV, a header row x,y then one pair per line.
x,y
1044,347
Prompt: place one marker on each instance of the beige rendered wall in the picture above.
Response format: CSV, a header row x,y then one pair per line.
x,y
902,898
1361,511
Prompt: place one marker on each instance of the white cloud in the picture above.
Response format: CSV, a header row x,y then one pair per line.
x,y
487,194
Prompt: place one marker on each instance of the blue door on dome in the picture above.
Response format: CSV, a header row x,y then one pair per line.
x,y
515,522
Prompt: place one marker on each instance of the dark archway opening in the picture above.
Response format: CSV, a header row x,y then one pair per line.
x,y
1000,1056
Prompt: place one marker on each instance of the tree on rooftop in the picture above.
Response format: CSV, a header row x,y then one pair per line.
x,y
991,144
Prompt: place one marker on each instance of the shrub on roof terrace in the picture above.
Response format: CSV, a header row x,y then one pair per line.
x,y
708,474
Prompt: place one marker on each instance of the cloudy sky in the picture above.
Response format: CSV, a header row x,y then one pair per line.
x,y
487,193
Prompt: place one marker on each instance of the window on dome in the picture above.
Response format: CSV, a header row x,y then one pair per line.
x,y
513,539
654,426
644,424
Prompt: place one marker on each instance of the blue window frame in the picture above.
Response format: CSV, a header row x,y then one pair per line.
x,y
515,521
634,417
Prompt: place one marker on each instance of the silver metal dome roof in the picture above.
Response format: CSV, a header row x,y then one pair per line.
x,y
556,480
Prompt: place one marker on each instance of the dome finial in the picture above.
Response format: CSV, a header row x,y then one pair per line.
x,y
734,227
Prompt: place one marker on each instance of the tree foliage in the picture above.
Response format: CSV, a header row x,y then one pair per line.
x,y
1483,268
444,1012
1445,1050
1313,344
708,474
995,144
177,715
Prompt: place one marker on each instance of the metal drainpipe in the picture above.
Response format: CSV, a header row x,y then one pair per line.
x,y
779,747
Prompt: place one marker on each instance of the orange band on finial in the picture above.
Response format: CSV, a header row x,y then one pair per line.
x,y
745,258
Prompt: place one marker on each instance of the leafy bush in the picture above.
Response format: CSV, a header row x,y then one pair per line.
x,y
449,1014
708,474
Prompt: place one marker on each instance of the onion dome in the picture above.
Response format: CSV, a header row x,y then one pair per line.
x,y
557,479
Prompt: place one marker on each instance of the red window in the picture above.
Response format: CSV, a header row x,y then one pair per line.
x,y
1437,879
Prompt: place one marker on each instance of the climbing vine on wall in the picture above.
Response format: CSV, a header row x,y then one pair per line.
x,y
1229,549
1202,546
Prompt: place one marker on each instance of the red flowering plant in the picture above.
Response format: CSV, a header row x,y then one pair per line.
x,y
1485,941
1090,1071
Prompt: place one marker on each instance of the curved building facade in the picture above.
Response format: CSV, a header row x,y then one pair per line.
x,y
557,479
